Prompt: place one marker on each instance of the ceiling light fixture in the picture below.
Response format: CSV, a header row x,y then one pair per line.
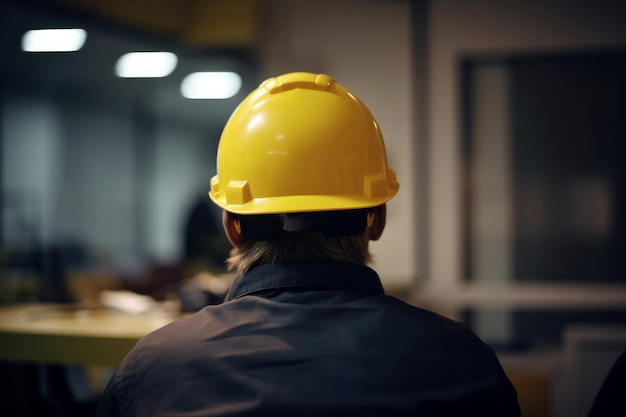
x,y
146,64
53,40
210,85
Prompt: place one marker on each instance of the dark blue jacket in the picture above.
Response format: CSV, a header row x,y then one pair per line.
x,y
318,339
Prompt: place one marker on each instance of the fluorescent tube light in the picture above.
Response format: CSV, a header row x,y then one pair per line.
x,y
146,64
210,85
53,40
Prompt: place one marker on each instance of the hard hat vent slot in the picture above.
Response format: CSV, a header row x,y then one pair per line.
x,y
320,82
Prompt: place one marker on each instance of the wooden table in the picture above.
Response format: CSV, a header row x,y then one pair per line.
x,y
71,334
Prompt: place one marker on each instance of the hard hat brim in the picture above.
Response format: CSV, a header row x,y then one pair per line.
x,y
300,203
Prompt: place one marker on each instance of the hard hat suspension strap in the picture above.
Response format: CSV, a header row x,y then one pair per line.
x,y
330,223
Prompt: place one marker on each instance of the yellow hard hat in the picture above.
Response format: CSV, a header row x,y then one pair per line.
x,y
301,142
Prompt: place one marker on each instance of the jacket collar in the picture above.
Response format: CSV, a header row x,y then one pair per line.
x,y
317,275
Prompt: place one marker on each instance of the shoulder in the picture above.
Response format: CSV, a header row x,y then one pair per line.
x,y
436,333
145,371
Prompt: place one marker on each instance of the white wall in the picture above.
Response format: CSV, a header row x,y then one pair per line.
x,y
364,45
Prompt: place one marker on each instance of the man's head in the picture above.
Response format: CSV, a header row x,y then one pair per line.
x,y
301,164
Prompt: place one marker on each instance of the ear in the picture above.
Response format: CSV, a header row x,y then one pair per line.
x,y
375,231
233,231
